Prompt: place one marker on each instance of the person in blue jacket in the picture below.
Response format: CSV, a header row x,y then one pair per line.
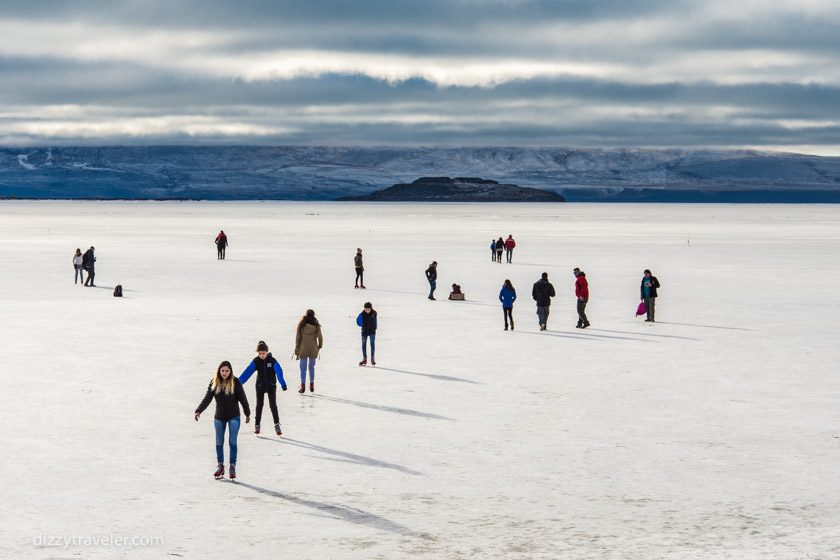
x,y
493,250
507,296
367,320
267,368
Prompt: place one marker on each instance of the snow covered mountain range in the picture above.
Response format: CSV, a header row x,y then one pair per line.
x,y
326,173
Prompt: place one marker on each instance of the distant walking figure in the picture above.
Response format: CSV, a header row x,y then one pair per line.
x,y
226,389
221,244
431,276
367,320
509,245
500,248
79,274
649,293
267,369
308,345
89,264
493,250
360,269
507,296
582,297
542,292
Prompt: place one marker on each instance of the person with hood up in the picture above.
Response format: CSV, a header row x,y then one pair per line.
x,y
649,293
308,343
507,296
226,389
542,292
367,320
267,369
582,296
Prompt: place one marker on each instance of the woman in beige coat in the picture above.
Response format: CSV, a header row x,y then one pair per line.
x,y
307,345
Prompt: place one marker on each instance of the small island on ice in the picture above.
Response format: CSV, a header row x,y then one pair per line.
x,y
458,189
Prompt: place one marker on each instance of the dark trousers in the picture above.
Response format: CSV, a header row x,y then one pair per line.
x,y
432,287
91,273
498,256
509,254
272,404
650,305
220,253
508,313
360,276
493,255
542,315
581,311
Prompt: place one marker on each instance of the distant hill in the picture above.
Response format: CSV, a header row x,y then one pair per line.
x,y
327,173
459,189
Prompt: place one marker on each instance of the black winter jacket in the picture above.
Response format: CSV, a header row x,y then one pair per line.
x,y
431,273
542,293
227,406
88,259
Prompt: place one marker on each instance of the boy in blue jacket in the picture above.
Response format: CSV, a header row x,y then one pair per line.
x,y
267,369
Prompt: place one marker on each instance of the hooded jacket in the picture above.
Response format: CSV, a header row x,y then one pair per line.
x,y
542,292
309,341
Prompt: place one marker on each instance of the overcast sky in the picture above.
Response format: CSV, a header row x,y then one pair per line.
x,y
663,73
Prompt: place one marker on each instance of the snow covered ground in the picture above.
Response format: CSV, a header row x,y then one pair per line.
x,y
713,434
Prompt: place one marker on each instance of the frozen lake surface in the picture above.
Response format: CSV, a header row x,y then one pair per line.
x,y
714,433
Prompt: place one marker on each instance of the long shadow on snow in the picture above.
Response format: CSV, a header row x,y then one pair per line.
x,y
343,513
647,334
405,411
432,376
351,457
583,336
706,326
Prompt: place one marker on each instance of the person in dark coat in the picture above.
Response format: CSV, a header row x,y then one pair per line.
x,y
507,296
228,394
582,297
360,269
649,293
267,368
500,248
367,320
431,276
221,245
89,264
542,292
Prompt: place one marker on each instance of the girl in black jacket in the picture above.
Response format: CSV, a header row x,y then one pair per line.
x,y
226,389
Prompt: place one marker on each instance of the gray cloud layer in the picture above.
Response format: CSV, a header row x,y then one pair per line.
x,y
493,72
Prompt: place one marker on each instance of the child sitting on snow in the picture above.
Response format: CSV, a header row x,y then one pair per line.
x,y
456,293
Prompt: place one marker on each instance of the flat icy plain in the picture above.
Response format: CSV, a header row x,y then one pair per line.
x,y
714,433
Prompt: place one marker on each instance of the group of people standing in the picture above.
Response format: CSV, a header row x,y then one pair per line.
x,y
84,263
499,246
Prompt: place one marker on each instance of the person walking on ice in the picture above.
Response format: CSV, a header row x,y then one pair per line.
x,y
226,389
431,276
308,343
507,296
542,292
267,369
89,264
221,245
509,245
360,269
582,297
79,274
500,248
493,250
649,293
367,320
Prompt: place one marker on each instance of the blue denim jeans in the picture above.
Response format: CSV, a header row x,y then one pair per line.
x,y
220,438
372,338
310,364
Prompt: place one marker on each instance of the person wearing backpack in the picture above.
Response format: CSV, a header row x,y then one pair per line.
x,y
267,369
367,320
507,296
89,264
308,343
649,293
228,394
221,245
79,275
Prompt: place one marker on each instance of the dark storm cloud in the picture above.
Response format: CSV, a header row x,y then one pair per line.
x,y
601,72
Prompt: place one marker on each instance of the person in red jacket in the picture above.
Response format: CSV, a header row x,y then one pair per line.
x,y
582,295
509,245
